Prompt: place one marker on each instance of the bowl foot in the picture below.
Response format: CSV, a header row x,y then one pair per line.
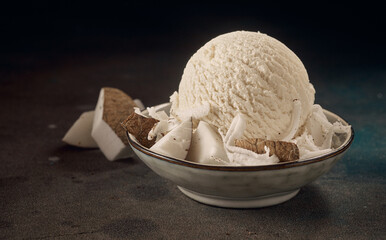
x,y
257,202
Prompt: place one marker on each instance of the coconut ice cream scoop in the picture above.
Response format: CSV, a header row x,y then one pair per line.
x,y
249,73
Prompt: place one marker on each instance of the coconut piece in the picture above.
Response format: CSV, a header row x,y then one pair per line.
x,y
285,151
112,108
162,107
240,156
176,143
139,104
207,146
79,134
295,120
140,126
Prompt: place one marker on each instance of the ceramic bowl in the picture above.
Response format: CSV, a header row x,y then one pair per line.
x,y
242,186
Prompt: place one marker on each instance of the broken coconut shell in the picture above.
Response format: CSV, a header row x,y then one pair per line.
x,y
140,126
285,151
117,105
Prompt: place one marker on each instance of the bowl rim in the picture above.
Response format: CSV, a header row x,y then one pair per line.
x,y
250,168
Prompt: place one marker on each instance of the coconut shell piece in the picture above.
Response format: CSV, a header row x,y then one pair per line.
x,y
285,151
117,105
140,126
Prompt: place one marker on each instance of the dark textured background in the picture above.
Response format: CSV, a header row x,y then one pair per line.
x,y
54,58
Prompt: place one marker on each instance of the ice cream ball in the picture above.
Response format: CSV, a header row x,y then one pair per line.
x,y
249,73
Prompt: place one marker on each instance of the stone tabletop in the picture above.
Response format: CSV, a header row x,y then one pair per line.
x,y
50,74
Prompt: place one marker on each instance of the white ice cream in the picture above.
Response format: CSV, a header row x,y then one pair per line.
x,y
248,73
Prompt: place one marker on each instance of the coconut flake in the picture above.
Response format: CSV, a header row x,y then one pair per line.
x,y
177,142
139,103
240,156
320,136
159,115
162,128
295,120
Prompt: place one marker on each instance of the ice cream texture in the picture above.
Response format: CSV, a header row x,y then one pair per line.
x,y
248,73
